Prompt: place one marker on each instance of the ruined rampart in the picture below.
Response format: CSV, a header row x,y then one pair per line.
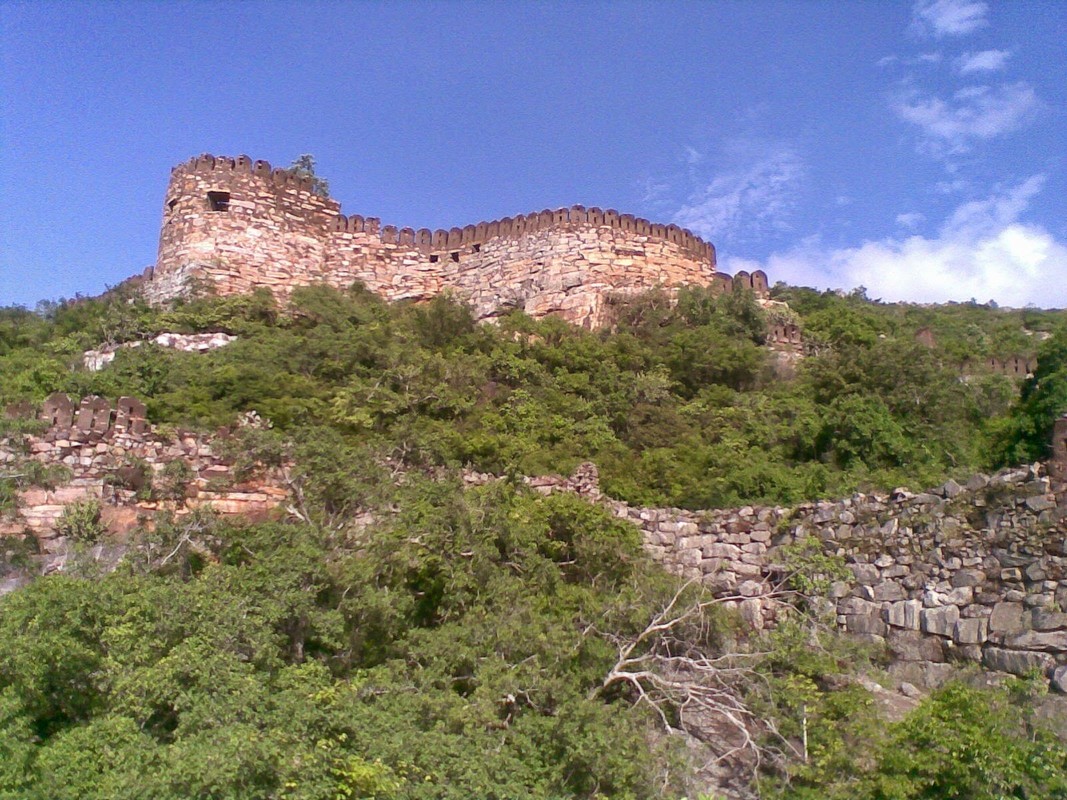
x,y
972,573
960,574
109,453
235,225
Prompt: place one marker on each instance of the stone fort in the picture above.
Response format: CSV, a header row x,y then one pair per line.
x,y
232,225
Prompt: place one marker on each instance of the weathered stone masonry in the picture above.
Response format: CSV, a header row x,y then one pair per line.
x,y
974,573
98,441
236,225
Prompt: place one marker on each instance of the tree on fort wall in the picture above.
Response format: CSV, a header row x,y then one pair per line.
x,y
304,166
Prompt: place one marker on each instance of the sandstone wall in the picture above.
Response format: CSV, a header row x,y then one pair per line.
x,y
103,445
236,225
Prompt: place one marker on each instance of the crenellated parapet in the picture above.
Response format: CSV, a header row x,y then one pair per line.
x,y
440,240
94,417
234,225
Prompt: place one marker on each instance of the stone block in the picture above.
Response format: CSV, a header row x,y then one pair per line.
x,y
1040,503
857,605
866,574
913,646
751,589
967,577
1059,679
940,621
752,612
887,591
960,596
864,623
1014,661
1047,641
904,614
970,631
1042,620
720,550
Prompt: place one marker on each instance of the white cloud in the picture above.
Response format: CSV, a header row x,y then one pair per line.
x,y
754,198
984,61
951,187
971,114
949,17
910,220
982,251
912,61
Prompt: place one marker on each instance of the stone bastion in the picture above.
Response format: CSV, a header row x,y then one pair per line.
x,y
234,225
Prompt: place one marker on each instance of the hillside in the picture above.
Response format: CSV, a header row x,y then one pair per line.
x,y
399,633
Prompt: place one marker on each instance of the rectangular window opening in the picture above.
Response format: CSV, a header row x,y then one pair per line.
x,y
433,259
454,256
477,248
218,201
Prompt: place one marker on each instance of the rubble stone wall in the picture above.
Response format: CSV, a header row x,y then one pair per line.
x,y
973,573
236,225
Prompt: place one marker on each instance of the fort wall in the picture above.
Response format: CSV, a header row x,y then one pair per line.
x,y
960,574
235,225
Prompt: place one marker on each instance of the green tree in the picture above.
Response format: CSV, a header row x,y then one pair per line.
x,y
303,166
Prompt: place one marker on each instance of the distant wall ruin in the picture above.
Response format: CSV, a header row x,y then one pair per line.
x,y
99,442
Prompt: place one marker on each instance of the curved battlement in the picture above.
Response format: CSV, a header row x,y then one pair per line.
x,y
238,224
442,240
429,241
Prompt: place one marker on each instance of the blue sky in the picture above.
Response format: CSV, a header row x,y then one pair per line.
x,y
917,149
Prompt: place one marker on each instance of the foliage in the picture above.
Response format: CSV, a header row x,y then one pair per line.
x,y
170,482
678,403
411,638
809,569
959,743
451,654
1027,434
81,522
303,166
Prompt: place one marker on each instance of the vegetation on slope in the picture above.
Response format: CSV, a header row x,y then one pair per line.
x,y
468,645
678,405
464,644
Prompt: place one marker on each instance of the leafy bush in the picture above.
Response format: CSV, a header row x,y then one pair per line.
x,y
171,482
81,522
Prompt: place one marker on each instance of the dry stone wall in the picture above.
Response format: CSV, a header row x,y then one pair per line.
x,y
974,573
235,225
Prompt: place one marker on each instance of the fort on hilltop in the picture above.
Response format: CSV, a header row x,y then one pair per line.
x,y
234,225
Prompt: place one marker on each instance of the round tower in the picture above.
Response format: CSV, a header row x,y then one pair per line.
x,y
231,225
